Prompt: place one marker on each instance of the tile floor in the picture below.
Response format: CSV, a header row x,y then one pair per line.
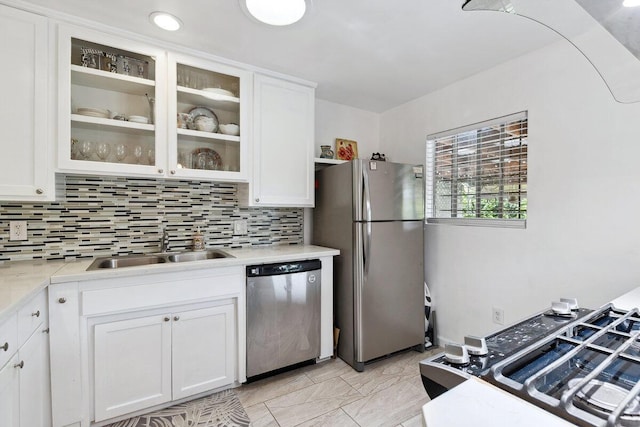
x,y
388,393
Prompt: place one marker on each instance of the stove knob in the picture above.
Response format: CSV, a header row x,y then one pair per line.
x,y
560,308
573,303
456,354
475,345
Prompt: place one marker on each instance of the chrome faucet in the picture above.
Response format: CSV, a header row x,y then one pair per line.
x,y
164,242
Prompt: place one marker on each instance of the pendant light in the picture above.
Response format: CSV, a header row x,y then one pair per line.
x,y
276,12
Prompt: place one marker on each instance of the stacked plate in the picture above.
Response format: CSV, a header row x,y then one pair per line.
x,y
94,112
139,119
218,91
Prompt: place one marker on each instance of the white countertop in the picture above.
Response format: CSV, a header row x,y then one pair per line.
x,y
479,404
21,280
628,301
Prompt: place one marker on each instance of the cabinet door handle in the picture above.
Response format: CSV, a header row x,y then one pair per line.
x,y
173,172
39,191
166,319
45,331
5,347
160,170
176,318
19,365
62,300
36,314
257,200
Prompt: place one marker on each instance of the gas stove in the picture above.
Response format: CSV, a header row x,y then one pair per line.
x,y
581,365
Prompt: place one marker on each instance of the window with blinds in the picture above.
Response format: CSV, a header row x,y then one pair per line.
x,y
479,171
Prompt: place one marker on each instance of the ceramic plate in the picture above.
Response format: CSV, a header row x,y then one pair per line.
x,y
219,91
94,112
206,158
203,111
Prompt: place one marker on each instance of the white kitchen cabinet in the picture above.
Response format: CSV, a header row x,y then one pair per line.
x,y
203,343
283,132
97,90
24,378
103,78
201,87
34,382
26,172
125,344
10,394
132,363
143,362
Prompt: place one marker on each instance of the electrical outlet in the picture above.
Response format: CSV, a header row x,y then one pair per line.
x,y
240,227
498,316
17,230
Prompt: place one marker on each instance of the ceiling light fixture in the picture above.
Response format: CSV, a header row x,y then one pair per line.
x,y
165,20
276,12
631,3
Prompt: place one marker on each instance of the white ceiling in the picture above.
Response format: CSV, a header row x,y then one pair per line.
x,y
369,54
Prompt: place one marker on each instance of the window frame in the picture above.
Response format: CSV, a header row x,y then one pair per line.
x,y
430,192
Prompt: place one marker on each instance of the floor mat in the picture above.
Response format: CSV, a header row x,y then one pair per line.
x,y
221,409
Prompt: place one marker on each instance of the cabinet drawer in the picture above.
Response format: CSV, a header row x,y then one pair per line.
x,y
31,315
8,339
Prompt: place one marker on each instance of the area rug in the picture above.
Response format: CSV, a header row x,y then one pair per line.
x,y
221,409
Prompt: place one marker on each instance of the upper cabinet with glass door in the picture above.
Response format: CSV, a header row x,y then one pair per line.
x,y
112,105
208,119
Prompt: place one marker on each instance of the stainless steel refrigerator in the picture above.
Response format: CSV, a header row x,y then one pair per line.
x,y
374,213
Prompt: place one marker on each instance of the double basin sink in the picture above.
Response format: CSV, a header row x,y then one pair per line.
x,y
139,260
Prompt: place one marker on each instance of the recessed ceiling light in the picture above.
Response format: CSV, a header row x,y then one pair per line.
x,y
631,3
165,20
276,12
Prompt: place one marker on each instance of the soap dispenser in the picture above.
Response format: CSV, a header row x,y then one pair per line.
x,y
198,241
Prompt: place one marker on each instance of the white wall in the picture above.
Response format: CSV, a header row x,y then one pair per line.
x,y
582,237
340,121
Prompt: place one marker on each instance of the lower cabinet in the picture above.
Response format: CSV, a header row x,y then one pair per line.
x,y
146,361
131,344
24,385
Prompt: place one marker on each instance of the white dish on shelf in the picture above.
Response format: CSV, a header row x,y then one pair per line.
x,y
139,119
219,91
230,129
94,112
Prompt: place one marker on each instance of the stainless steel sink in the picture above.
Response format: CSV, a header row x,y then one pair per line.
x,y
138,260
197,256
126,261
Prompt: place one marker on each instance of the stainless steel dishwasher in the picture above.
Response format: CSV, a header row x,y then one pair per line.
x,y
283,315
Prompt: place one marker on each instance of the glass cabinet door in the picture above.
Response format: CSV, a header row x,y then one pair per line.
x,y
208,121
110,117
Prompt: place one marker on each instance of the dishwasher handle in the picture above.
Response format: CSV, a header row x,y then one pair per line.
x,y
283,268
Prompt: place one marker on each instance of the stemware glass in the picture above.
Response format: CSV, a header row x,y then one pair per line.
x,y
103,150
137,153
121,152
151,154
86,148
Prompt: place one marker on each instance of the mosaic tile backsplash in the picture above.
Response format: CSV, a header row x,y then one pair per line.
x,y
99,216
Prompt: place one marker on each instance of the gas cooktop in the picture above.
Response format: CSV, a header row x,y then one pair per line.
x,y
583,366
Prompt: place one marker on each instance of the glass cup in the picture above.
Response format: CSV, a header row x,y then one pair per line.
x,y
137,153
121,152
103,150
86,148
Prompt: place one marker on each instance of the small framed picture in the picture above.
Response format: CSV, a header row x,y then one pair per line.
x,y
346,149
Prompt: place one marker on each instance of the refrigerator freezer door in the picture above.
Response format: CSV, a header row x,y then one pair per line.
x,y
389,288
387,191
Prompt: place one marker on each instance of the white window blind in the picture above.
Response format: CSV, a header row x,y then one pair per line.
x,y
479,171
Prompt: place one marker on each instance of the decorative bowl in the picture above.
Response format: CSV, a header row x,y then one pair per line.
x,y
230,129
204,124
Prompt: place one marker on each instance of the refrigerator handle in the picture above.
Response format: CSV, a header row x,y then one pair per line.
x,y
367,248
366,200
